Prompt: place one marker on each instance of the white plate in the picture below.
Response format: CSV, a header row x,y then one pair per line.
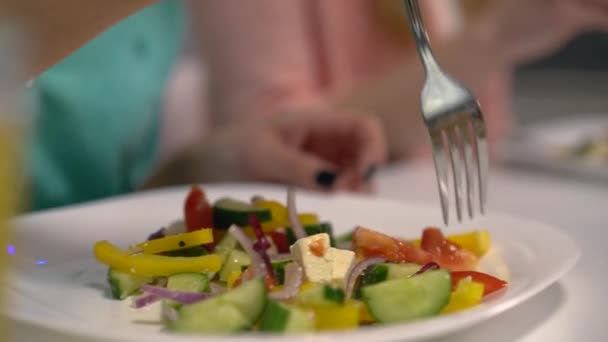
x,y
68,293
538,146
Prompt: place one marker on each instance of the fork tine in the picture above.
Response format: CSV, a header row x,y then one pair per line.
x,y
441,166
465,137
481,153
456,160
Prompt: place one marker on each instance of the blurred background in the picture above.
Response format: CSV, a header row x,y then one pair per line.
x,y
572,81
570,84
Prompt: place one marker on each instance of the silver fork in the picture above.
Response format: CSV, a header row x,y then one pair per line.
x,y
455,124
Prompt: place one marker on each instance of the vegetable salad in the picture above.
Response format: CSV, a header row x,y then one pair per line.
x,y
259,265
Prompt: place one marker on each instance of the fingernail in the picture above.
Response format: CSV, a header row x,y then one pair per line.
x,y
371,171
326,178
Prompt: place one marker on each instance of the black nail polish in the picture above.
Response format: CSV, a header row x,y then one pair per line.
x,y
371,171
326,178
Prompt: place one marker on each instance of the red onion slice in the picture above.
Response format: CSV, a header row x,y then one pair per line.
x,y
294,277
144,300
294,221
281,257
178,296
427,267
217,289
261,245
257,264
355,271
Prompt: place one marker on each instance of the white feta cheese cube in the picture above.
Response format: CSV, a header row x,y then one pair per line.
x,y
316,257
341,264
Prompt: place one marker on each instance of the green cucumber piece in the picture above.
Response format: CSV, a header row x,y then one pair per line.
x,y
345,238
189,282
407,299
279,317
234,262
279,270
211,317
385,271
227,211
186,282
236,310
320,295
250,298
225,246
388,271
324,227
122,284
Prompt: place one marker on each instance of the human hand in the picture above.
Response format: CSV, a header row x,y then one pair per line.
x,y
518,31
316,150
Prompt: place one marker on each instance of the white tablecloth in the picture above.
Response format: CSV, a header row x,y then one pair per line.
x,y
574,309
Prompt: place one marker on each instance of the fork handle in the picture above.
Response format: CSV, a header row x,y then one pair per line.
x,y
422,40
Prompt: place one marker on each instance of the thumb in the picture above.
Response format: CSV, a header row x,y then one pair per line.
x,y
294,166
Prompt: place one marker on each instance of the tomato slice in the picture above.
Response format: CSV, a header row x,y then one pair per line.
x,y
375,244
198,213
280,241
491,284
446,253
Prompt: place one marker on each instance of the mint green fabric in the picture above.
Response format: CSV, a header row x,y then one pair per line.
x,y
97,123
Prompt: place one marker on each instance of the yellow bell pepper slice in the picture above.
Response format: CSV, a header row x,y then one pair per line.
x,y
175,242
364,316
232,278
337,317
308,219
278,213
477,242
149,265
467,294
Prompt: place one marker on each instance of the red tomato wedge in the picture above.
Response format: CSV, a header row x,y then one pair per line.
x,y
446,253
198,213
491,284
280,241
370,243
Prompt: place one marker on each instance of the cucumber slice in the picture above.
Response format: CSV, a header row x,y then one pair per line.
x,y
211,317
279,317
406,299
386,271
320,295
225,246
279,270
122,285
189,282
236,310
324,227
234,262
250,298
227,212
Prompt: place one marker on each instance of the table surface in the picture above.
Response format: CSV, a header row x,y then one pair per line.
x,y
575,308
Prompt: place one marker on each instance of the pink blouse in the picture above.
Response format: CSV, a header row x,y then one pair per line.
x,y
267,55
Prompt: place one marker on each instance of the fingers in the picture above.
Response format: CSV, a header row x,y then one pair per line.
x,y
372,147
289,164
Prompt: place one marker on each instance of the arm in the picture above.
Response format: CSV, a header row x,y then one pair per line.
x,y
54,29
259,56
